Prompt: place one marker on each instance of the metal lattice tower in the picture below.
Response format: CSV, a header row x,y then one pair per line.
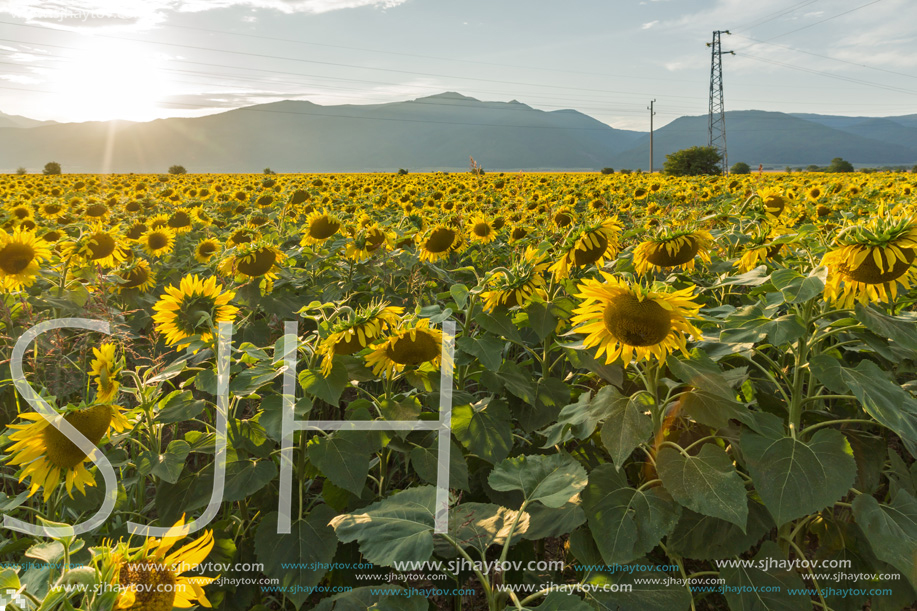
x,y
716,123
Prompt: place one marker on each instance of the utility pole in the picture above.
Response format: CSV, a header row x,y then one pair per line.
x,y
716,122
650,108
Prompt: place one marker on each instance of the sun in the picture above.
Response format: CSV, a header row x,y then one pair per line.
x,y
111,79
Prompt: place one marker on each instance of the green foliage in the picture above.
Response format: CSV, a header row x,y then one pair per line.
x,y
740,168
21,171
840,165
51,168
608,170
694,161
177,169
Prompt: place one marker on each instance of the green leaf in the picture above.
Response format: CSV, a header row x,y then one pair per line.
x,y
881,397
753,589
327,389
178,406
552,479
704,538
481,525
459,293
9,580
169,466
627,426
250,380
485,429
343,457
289,557
425,463
486,348
499,324
706,483
540,319
394,529
385,597
518,381
626,523
891,530
545,522
579,420
243,479
795,478
644,596
797,288
561,601
901,328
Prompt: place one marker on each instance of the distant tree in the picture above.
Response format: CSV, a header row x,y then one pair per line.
x,y
840,165
740,168
52,167
21,170
914,170
402,172
608,170
789,170
177,169
269,171
694,161
813,168
625,171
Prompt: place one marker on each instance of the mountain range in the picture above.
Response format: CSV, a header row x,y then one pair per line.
x,y
438,132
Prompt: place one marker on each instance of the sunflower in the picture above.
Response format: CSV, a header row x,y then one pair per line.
x,y
137,276
106,368
773,200
481,230
563,217
98,247
590,244
369,240
519,284
672,249
205,250
258,259
191,308
359,330
437,242
46,455
814,192
158,242
149,578
319,226
179,221
871,260
631,321
21,254
410,345
760,249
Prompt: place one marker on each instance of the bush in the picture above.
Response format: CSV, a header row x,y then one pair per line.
x,y
269,171
625,171
21,170
608,170
402,172
840,165
694,161
914,170
177,169
740,168
52,167
813,168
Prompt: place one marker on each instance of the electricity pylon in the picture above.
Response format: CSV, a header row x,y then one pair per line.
x,y
716,123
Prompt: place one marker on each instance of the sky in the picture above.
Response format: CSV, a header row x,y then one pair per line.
x,y
145,59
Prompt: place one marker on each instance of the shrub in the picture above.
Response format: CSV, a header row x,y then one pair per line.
x,y
840,165
269,171
694,161
402,172
625,171
177,169
740,168
21,170
52,167
608,170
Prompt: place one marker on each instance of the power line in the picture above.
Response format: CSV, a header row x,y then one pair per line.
x,y
805,27
776,15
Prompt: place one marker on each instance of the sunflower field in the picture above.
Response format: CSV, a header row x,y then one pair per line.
x,y
661,393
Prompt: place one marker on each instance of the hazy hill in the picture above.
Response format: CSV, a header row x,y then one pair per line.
x,y
435,132
776,139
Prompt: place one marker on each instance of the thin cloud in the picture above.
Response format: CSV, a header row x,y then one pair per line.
x,y
648,25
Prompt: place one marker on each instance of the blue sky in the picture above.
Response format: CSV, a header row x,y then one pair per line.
x,y
144,59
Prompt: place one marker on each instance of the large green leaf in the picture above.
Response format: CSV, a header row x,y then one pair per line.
x,y
297,558
643,596
541,320
749,588
385,597
797,288
795,478
626,523
706,483
705,538
561,601
480,525
891,530
178,406
329,388
168,466
553,480
578,420
901,328
628,425
397,528
426,462
545,522
881,397
343,457
485,429
486,348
